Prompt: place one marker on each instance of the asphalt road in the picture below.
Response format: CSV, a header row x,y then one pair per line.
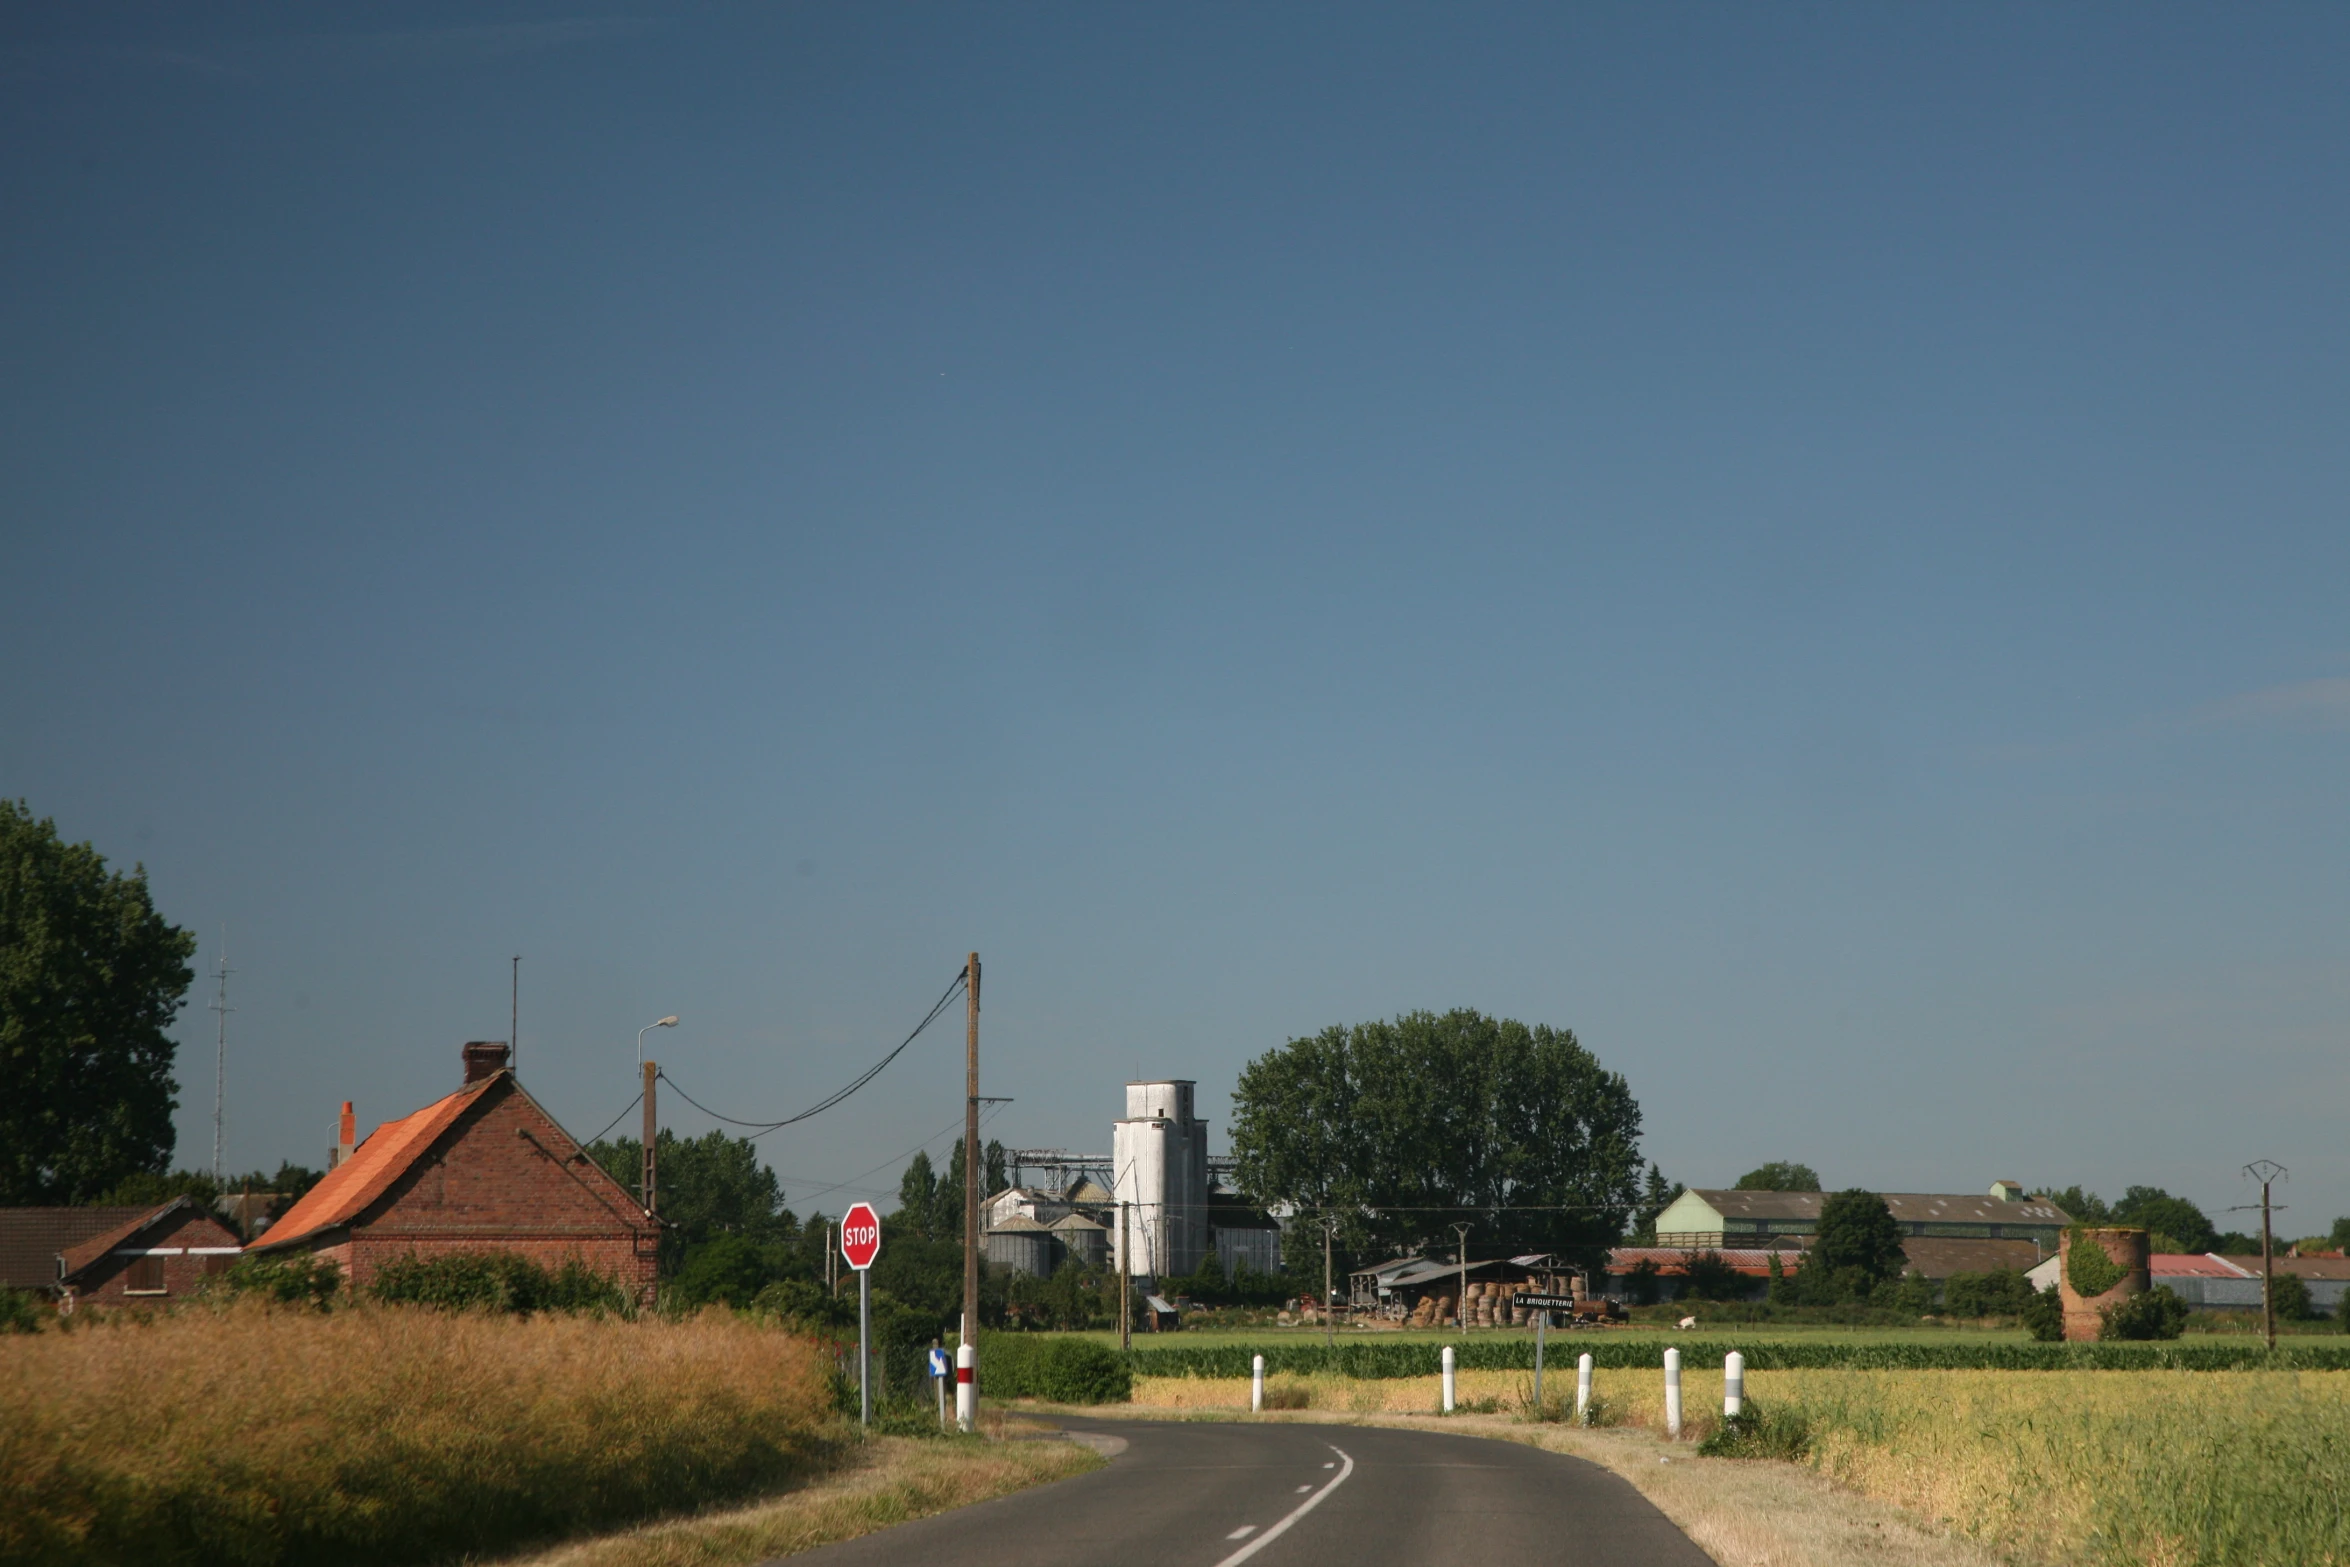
x,y
1215,1494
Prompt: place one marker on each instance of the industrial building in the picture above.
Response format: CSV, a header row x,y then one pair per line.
x,y
1159,1157
1154,1203
1945,1232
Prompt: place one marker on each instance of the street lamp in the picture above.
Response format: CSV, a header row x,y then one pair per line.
x,y
667,1022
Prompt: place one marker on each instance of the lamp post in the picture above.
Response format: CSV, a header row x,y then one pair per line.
x,y
649,1070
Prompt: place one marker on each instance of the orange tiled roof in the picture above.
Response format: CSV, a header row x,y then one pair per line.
x,y
345,1191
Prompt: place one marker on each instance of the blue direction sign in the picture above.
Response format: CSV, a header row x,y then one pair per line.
x,y
940,1364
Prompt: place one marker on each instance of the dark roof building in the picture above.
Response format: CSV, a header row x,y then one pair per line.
x,y
113,1256
1702,1218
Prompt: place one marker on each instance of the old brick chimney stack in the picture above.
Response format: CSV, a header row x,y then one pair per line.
x,y
346,1137
484,1057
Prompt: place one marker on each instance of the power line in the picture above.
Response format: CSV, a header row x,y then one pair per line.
x,y
762,1128
921,1147
615,1121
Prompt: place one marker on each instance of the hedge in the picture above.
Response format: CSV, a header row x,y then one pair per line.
x,y
1050,1366
1516,1353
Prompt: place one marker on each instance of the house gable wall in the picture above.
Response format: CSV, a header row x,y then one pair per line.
x,y
505,1177
191,1243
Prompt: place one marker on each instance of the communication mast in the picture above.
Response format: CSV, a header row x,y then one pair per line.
x,y
220,1058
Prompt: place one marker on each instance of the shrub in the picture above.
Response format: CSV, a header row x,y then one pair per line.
x,y
2043,1315
2156,1314
1710,1278
297,1279
19,1312
1757,1432
1061,1370
2288,1296
2003,1292
807,1304
494,1281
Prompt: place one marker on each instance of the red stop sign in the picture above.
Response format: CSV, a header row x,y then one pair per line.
x,y
860,1236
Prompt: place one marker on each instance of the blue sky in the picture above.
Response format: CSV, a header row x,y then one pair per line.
x,y
1806,545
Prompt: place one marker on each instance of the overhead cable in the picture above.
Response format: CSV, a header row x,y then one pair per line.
x,y
762,1128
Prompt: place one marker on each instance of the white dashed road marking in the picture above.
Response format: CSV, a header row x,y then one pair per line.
x,y
1346,1467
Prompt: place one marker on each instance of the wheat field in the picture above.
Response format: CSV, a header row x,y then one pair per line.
x,y
253,1436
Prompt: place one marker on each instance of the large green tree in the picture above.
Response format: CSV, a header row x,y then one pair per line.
x,y
709,1186
918,1194
1401,1128
90,977
1857,1233
2152,1208
1780,1175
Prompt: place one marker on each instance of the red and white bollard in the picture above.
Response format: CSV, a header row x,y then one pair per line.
x,y
966,1388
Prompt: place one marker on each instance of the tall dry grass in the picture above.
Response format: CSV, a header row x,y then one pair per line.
x,y
385,1435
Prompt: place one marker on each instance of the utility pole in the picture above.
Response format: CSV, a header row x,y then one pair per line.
x,y
1125,1281
2266,1171
652,1072
1329,1227
972,1174
220,1061
1462,1230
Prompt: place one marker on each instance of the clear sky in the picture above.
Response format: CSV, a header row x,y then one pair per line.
x,y
1806,544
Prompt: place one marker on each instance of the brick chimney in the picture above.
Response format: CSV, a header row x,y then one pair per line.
x,y
346,1137
484,1057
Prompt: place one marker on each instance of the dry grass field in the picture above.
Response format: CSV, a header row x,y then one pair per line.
x,y
2176,1469
387,1435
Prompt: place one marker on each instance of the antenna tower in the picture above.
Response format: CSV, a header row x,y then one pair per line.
x,y
220,1058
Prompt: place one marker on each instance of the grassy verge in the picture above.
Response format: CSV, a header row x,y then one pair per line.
x,y
388,1435
889,1480
2238,1469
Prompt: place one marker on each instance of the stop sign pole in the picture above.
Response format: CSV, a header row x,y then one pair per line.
x,y
860,1243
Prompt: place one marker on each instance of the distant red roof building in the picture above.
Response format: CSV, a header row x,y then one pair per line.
x,y
486,1169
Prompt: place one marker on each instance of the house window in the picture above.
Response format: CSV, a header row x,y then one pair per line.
x,y
216,1263
145,1276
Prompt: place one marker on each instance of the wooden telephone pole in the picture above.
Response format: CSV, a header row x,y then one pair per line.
x,y
972,1174
651,1070
2266,1172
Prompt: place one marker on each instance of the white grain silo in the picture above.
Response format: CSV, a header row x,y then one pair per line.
x,y
1160,1155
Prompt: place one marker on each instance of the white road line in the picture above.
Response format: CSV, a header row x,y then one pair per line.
x,y
1308,1505
1243,1532
1303,1489
1330,1466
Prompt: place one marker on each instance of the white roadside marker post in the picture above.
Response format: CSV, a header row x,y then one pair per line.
x,y
1583,1389
1733,1384
966,1389
1448,1380
1672,1395
1256,1387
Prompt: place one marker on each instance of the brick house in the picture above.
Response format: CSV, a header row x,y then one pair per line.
x,y
139,1256
486,1169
